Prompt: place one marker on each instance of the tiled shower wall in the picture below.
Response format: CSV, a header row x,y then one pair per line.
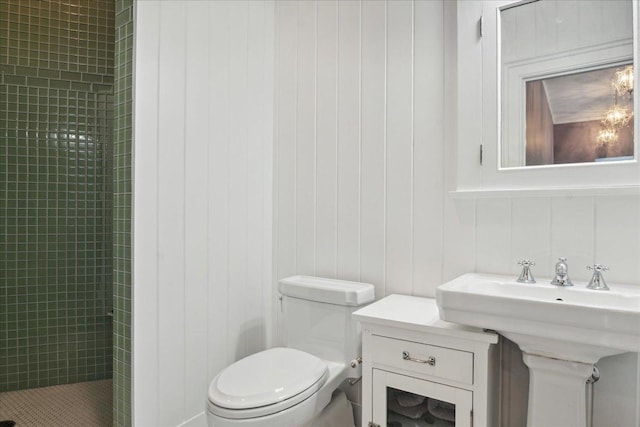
x,y
56,103
122,214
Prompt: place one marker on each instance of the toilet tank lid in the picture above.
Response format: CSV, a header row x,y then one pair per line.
x,y
331,291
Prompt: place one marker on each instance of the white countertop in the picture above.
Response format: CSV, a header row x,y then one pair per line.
x,y
418,314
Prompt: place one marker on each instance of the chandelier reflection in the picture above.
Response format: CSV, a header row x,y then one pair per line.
x,y
607,136
623,81
616,117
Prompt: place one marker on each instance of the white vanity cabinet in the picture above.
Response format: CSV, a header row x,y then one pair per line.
x,y
409,354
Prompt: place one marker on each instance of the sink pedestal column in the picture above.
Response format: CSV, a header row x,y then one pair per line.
x,y
557,392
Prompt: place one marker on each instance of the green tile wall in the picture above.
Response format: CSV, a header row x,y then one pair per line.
x,y
122,214
56,132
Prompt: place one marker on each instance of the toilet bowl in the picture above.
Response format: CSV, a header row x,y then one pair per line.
x,y
296,385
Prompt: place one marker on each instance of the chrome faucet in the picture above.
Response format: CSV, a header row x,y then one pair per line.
x,y
525,275
562,273
597,280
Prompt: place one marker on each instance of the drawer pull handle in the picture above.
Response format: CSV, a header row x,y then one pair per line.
x,y
430,361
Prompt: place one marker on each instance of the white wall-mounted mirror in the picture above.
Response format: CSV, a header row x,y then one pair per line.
x,y
566,82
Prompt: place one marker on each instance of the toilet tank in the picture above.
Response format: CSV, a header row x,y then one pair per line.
x,y
316,316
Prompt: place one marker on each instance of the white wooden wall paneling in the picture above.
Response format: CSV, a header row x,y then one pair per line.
x,y
238,287
547,28
399,218
196,181
493,235
257,159
306,138
532,240
572,236
145,292
349,142
373,139
326,139
171,221
366,187
617,238
267,119
566,11
428,154
202,198
218,188
286,111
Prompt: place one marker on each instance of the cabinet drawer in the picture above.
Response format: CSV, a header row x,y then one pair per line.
x,y
454,365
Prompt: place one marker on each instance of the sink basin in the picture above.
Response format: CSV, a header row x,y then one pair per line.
x,y
562,332
586,324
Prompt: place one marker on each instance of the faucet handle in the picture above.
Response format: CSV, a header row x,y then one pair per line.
x,y
525,275
597,267
597,280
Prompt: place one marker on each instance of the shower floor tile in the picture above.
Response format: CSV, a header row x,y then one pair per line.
x,y
86,404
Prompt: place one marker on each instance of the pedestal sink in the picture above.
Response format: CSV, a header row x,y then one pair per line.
x,y
562,332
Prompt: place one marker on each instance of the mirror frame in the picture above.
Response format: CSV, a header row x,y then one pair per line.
x,y
478,48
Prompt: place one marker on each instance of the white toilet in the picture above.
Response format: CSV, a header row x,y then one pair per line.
x,y
292,386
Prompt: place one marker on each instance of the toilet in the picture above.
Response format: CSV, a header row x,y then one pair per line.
x,y
297,385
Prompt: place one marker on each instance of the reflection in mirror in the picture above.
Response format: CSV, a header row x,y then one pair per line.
x,y
579,118
566,82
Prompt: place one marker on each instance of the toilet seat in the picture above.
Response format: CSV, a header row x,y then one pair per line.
x,y
265,383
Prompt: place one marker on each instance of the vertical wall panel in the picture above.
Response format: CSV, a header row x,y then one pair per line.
x,y
376,216
268,120
203,306
545,28
533,239
218,187
590,23
238,133
306,139
428,128
459,248
171,256
348,196
257,159
566,13
326,138
372,168
399,170
195,186
617,238
572,236
493,218
286,114
616,402
145,222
